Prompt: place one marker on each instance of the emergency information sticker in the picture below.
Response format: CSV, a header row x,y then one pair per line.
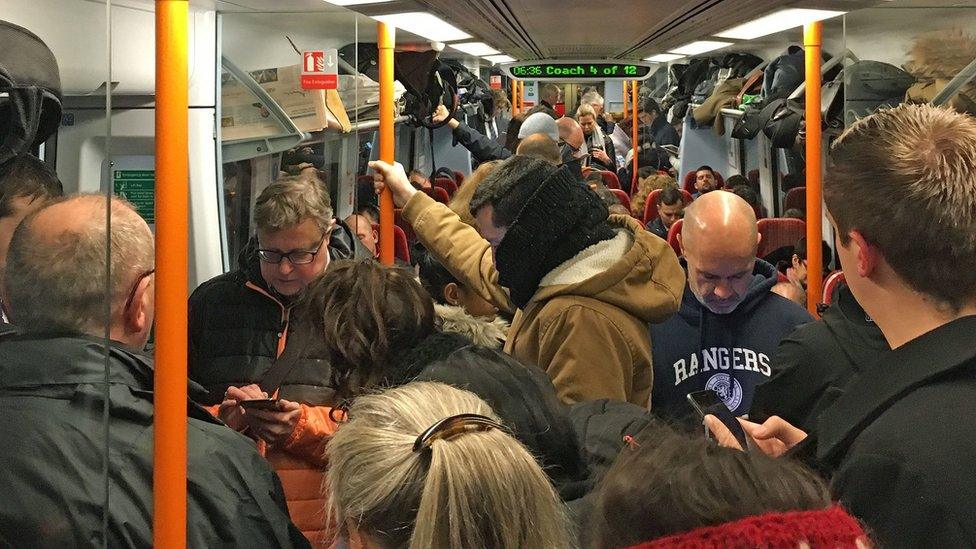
x,y
320,70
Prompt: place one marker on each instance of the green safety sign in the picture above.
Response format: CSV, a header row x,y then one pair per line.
x,y
139,188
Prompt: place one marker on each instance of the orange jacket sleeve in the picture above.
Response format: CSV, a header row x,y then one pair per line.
x,y
312,431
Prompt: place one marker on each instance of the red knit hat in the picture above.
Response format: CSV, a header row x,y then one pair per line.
x,y
827,529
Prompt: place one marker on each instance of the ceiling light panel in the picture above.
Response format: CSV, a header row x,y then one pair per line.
x,y
664,57
500,58
354,2
479,49
776,22
424,24
701,46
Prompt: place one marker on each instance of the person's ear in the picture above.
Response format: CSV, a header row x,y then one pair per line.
x,y
758,239
867,254
137,315
681,245
795,261
452,294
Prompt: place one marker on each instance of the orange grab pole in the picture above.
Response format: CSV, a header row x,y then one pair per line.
x,y
514,98
521,96
812,42
172,268
386,40
625,99
633,101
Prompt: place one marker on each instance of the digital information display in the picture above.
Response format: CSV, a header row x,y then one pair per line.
x,y
578,70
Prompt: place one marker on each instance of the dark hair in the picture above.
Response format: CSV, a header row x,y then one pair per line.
x,y
734,181
608,197
795,213
27,176
668,483
370,211
511,134
705,168
746,193
537,417
670,196
434,277
542,108
366,314
510,186
646,171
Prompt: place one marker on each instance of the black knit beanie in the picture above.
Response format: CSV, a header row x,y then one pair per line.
x,y
560,219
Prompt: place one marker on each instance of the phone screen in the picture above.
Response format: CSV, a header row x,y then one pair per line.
x,y
260,403
708,402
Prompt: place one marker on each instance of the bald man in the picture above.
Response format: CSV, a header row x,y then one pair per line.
x,y
540,146
52,393
363,228
730,323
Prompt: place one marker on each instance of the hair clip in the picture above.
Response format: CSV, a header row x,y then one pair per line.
x,y
451,427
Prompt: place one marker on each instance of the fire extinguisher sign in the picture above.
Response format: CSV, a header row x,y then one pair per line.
x,y
320,70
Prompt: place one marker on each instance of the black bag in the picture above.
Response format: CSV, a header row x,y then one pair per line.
x,y
832,102
428,82
871,85
740,63
29,76
784,74
784,123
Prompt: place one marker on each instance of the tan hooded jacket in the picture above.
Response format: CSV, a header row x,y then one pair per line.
x,y
586,325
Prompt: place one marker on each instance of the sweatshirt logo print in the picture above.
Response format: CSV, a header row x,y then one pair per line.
x,y
721,358
727,388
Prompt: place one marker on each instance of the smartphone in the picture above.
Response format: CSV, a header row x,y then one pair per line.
x,y
708,402
260,404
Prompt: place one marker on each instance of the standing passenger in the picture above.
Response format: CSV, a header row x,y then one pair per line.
x,y
53,390
239,324
730,324
582,286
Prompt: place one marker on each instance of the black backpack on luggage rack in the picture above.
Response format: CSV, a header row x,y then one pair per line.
x,y
428,83
30,91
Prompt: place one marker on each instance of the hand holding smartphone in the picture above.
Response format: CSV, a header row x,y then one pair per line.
x,y
707,402
272,404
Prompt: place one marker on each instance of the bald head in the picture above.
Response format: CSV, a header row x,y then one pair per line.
x,y
363,228
719,240
56,272
570,132
720,220
541,146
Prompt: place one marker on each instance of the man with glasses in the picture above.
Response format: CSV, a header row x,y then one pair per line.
x,y
240,322
56,425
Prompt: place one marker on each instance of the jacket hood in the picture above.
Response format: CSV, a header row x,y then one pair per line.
x,y
635,271
343,244
480,330
763,280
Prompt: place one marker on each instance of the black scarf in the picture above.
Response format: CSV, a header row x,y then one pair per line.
x,y
559,220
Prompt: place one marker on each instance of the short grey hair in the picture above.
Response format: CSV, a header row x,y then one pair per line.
x,y
58,284
291,200
591,97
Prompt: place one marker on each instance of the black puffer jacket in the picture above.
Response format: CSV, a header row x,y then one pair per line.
x,y
51,489
238,326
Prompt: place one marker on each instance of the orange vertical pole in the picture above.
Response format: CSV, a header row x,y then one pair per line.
x,y
521,96
812,42
625,99
172,278
515,110
386,38
633,101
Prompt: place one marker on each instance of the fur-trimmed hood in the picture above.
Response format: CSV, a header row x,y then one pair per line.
x,y
481,331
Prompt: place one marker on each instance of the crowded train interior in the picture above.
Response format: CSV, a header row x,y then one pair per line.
x,y
513,274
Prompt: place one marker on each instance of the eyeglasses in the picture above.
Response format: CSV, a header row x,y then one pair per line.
x,y
295,257
135,286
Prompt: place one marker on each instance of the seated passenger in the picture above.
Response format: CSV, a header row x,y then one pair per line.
x,y
794,292
582,286
670,208
648,183
673,490
659,131
458,309
819,360
613,203
52,391
417,466
541,146
600,147
419,180
362,227
239,323
897,442
752,198
26,184
730,324
705,181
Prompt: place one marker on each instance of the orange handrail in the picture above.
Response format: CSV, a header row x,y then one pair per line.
x,y
386,39
521,96
625,99
812,42
172,273
514,98
633,100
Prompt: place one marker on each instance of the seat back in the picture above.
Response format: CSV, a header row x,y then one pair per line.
x,y
610,180
673,233
650,206
404,226
778,232
795,198
832,283
689,182
458,177
438,194
447,184
622,196
401,249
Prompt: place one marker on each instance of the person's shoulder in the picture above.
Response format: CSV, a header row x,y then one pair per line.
x,y
221,285
788,312
216,444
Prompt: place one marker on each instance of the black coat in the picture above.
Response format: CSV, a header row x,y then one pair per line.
x,y
657,227
900,442
236,322
51,425
818,359
481,148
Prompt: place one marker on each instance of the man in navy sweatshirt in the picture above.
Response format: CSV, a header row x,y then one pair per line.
x,y
730,323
